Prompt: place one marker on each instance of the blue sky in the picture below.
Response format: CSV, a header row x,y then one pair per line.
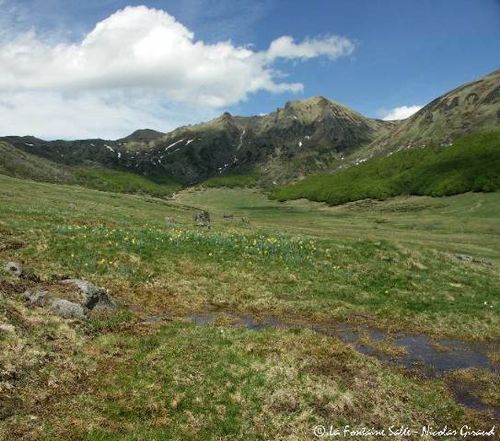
x,y
372,55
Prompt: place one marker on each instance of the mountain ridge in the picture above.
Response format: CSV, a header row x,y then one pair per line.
x,y
193,153
312,135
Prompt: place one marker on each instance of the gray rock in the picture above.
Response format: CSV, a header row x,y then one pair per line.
x,y
66,309
36,298
102,301
202,218
14,268
86,288
93,297
472,259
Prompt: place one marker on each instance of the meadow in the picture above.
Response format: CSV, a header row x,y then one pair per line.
x,y
409,264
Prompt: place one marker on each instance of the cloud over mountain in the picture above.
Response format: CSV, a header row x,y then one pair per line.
x,y
143,49
401,112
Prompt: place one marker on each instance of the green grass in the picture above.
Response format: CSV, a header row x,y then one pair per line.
x,y
291,259
389,264
17,163
188,383
466,223
233,180
470,164
124,182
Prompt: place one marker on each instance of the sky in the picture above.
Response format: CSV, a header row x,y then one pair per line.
x,y
104,68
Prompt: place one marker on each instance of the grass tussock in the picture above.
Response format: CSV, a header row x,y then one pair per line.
x,y
183,382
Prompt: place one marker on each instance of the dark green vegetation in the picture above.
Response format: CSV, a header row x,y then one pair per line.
x,y
235,180
472,163
20,164
124,182
390,264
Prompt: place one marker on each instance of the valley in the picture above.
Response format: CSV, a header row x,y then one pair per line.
x,y
299,274
252,278
249,220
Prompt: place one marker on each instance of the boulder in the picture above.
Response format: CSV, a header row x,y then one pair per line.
x,y
202,218
93,297
66,309
472,259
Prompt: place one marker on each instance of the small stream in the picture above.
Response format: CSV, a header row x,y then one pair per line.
x,y
430,359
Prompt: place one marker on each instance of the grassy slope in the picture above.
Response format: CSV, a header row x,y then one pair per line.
x,y
471,164
248,179
124,182
297,250
466,223
180,381
17,163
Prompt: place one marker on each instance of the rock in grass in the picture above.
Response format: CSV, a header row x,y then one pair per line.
x,y
202,218
66,309
35,298
14,268
93,297
88,289
471,259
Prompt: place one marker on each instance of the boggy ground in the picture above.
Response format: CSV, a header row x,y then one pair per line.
x,y
121,377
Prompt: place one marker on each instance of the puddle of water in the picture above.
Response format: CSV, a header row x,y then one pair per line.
x,y
419,354
418,348
464,396
461,355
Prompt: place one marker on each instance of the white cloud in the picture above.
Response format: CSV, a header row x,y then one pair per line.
x,y
332,47
137,52
401,112
99,114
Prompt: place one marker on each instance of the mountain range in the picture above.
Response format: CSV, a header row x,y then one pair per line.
x,y
315,135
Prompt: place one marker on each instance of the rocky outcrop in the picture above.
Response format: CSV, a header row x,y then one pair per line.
x,y
70,298
35,298
202,218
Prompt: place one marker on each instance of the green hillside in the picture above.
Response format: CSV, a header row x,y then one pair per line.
x,y
470,164
17,163
124,182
